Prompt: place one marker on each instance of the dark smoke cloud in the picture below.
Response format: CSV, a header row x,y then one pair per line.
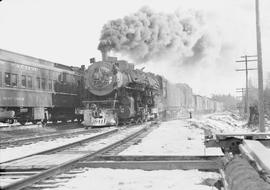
x,y
147,35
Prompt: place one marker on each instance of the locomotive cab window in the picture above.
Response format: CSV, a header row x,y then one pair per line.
x,y
29,82
23,81
7,79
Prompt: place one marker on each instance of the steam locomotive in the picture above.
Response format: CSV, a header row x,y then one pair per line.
x,y
116,93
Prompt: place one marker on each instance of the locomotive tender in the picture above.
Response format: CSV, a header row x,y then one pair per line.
x,y
33,89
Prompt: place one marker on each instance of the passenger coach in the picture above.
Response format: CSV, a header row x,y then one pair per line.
x,y
33,89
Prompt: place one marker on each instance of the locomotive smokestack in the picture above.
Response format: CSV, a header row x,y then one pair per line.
x,y
104,55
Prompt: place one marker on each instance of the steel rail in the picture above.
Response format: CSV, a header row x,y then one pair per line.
x,y
69,164
92,138
23,140
28,124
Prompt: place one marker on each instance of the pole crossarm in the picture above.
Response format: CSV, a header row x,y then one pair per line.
x,y
251,69
240,61
249,56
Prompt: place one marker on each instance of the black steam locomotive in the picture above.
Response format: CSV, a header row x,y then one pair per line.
x,y
116,92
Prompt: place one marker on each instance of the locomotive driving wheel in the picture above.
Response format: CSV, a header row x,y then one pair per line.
x,y
10,121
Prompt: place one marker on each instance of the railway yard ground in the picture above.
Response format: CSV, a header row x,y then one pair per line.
x,y
102,168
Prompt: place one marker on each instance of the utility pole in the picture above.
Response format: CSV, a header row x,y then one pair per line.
x,y
260,69
246,69
242,91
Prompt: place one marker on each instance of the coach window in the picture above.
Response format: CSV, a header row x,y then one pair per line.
x,y
23,81
29,82
43,84
38,83
7,79
50,84
55,86
14,80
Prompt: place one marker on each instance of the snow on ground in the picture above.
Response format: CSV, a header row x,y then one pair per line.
x,y
173,138
18,125
24,150
121,179
226,122
222,122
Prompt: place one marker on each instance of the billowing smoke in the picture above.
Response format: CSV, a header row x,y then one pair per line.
x,y
146,35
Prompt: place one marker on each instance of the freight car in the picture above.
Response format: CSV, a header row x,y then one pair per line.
x,y
204,104
33,89
177,99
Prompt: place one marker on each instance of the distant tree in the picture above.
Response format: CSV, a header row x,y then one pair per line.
x,y
267,95
230,102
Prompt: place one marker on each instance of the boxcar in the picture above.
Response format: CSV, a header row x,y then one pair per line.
x,y
33,89
176,99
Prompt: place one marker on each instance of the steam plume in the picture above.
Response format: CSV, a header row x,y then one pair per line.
x,y
146,35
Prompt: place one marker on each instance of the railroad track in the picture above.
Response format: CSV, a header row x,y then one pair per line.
x,y
17,125
24,172
51,136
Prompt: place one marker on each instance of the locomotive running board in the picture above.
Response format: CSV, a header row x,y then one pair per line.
x,y
155,162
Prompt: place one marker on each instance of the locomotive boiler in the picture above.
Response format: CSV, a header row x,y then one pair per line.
x,y
117,92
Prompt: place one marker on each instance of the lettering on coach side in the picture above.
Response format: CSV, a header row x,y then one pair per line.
x,y
6,98
28,68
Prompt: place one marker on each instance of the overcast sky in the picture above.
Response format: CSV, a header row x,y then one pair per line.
x,y
68,32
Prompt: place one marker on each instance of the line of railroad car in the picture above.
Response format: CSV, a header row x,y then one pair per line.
x,y
204,104
33,89
110,90
116,92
